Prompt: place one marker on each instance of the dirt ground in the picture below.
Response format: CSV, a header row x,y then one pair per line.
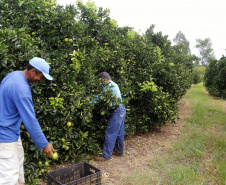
x,y
139,148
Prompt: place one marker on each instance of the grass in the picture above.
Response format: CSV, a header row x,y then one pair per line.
x,y
198,157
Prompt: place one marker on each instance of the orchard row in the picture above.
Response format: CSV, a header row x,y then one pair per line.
x,y
79,42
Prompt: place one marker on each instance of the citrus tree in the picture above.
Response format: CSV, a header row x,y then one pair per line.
x,y
215,77
80,41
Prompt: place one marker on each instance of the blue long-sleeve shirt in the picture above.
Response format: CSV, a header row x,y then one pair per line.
x,y
15,106
114,89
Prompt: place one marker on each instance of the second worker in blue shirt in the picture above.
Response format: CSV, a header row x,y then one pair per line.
x,y
115,131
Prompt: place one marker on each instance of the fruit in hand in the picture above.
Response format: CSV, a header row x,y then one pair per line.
x,y
55,156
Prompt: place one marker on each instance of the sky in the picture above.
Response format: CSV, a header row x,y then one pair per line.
x,y
196,19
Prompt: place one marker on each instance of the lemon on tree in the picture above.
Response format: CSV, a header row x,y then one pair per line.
x,y
22,127
69,124
40,163
46,163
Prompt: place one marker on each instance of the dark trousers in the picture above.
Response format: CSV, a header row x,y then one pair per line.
x,y
114,134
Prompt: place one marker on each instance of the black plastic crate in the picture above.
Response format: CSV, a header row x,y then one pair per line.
x,y
79,174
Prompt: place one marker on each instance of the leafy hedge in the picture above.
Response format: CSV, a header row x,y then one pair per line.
x,y
215,77
198,74
79,42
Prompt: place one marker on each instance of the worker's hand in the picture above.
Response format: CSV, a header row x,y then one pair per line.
x,y
48,150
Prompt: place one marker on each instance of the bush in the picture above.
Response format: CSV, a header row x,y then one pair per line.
x,y
215,77
79,42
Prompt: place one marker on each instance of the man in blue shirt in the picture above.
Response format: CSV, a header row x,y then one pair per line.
x,y
15,106
114,134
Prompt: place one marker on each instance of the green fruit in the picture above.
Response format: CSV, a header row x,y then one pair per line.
x,y
55,156
42,170
63,140
37,100
102,113
69,124
40,163
46,163
67,148
70,40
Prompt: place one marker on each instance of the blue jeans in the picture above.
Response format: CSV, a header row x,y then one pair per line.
x,y
114,134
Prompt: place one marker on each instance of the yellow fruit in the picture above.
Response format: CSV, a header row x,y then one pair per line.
x,y
102,113
22,127
66,40
138,145
46,163
69,124
55,156
40,163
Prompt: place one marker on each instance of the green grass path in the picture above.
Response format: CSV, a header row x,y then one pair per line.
x,y
198,156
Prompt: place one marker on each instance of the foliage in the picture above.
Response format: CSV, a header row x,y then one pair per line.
x,y
215,77
183,43
79,42
198,74
205,49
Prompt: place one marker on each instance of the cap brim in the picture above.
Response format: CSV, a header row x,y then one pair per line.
x,y
47,76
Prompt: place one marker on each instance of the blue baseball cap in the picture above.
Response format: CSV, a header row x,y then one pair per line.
x,y
41,65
